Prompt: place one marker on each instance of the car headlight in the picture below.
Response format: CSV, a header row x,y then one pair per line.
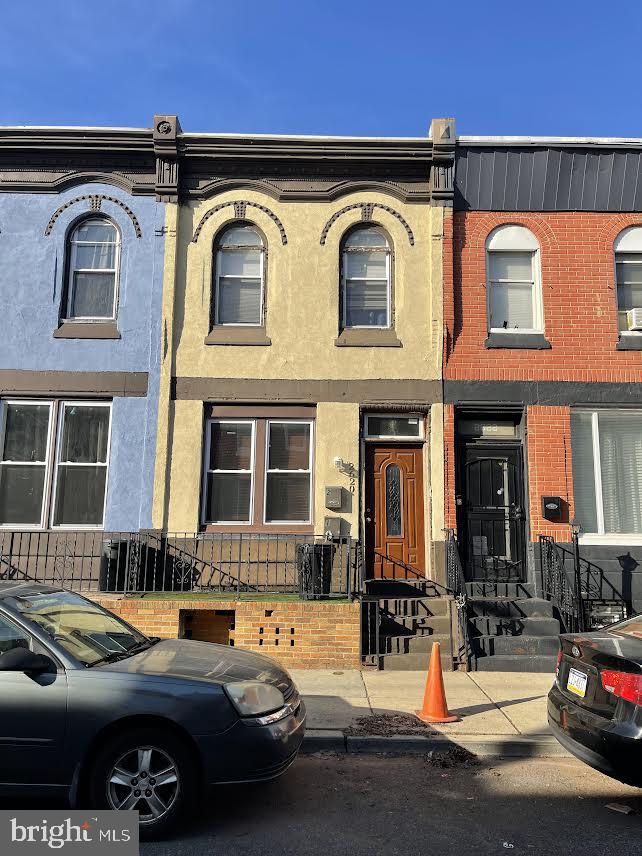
x,y
252,698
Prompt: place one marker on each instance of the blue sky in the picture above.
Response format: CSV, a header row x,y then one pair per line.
x,y
350,67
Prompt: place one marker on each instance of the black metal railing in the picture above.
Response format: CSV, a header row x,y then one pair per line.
x,y
560,584
585,598
456,583
143,562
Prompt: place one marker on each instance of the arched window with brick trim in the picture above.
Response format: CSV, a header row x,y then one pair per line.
x,y
513,280
628,276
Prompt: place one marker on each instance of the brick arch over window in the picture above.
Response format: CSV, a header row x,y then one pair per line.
x,y
612,229
95,203
240,207
476,238
367,209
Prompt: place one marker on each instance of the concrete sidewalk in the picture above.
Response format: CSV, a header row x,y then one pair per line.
x,y
502,712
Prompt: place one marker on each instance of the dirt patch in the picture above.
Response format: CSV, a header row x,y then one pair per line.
x,y
388,725
455,757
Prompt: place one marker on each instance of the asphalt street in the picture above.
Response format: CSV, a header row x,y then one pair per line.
x,y
330,805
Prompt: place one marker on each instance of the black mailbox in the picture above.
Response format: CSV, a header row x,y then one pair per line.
x,y
552,508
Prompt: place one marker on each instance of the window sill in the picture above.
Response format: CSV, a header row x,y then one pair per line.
x,y
87,330
629,342
611,540
364,338
259,528
525,341
237,336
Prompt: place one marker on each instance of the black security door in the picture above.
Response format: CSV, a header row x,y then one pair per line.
x,y
491,512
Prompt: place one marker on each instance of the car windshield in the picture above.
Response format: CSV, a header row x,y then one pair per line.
x,y
632,627
82,628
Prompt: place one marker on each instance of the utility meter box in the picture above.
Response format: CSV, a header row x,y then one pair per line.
x,y
333,498
552,508
332,526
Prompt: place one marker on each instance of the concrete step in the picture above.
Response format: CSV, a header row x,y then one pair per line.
x,y
402,588
529,663
416,662
497,607
518,646
484,588
493,626
415,644
409,626
423,607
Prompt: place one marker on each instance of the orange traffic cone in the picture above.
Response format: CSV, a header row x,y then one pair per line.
x,y
435,708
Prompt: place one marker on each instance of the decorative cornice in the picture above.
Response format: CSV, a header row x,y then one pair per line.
x,y
165,135
307,189
95,203
367,209
240,207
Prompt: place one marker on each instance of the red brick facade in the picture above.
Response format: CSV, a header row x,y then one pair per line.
x,y
580,322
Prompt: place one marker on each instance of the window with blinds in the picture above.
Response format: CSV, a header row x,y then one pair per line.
x,y
607,471
628,273
365,286
239,277
514,291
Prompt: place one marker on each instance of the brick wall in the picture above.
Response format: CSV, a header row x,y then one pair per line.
x,y
578,295
302,635
549,467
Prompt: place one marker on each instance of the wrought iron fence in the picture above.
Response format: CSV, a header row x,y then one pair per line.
x,y
456,583
141,562
560,587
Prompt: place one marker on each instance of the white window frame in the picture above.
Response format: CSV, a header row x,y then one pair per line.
x,y
516,239
394,438
275,421
220,251
627,243
602,537
60,425
207,470
54,439
72,270
47,462
345,279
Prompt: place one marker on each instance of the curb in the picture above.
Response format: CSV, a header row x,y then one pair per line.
x,y
321,740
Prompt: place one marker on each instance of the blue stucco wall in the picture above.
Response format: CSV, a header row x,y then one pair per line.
x,y
31,282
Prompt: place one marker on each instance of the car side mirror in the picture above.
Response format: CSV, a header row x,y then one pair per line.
x,y
24,660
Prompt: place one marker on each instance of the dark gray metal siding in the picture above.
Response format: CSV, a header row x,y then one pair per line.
x,y
544,178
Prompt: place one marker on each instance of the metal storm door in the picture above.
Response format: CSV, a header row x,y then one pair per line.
x,y
491,513
394,518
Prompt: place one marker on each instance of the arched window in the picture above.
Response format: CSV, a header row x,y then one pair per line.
x,y
513,281
366,278
239,276
628,274
94,263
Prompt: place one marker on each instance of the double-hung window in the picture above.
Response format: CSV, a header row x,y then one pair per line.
x,y
94,261
366,279
258,472
513,281
53,463
607,471
239,277
628,274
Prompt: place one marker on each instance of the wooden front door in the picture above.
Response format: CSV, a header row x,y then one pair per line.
x,y
394,519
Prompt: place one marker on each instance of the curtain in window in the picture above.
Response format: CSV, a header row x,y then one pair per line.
x,y
583,472
511,285
621,467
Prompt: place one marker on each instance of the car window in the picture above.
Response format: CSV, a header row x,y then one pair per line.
x,y
632,627
81,627
12,636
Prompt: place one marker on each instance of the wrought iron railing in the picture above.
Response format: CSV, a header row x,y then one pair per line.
x,y
561,587
456,583
143,562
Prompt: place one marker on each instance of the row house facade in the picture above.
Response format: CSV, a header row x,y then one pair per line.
x,y
403,368
543,369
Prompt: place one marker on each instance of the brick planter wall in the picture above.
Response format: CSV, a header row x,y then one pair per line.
x,y
300,635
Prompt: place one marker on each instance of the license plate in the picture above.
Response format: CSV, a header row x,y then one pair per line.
x,y
576,682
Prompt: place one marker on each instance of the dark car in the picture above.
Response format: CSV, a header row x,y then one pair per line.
x,y
92,708
595,705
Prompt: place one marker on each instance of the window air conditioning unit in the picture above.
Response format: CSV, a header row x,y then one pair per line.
x,y
634,319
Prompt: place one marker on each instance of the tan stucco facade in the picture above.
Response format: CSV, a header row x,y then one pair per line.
x,y
303,363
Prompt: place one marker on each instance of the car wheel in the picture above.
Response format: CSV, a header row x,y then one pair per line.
x,y
147,770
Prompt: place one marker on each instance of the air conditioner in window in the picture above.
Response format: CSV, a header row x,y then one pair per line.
x,y
634,319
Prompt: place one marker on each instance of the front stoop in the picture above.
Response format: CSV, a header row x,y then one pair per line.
x,y
413,615
511,629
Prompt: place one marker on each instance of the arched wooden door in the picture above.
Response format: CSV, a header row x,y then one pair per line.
x,y
491,513
394,511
